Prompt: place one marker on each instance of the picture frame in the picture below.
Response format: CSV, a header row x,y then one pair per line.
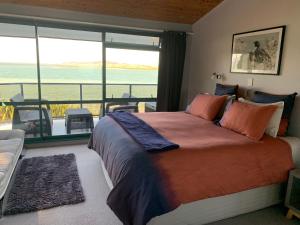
x,y
258,51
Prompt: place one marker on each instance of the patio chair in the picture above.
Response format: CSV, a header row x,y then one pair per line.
x,y
27,117
122,106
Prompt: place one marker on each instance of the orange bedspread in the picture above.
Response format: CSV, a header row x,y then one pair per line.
x,y
213,161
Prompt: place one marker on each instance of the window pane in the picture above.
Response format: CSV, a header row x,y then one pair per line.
x,y
14,30
144,91
131,72
92,91
17,61
70,34
60,91
71,70
71,64
18,78
132,39
116,90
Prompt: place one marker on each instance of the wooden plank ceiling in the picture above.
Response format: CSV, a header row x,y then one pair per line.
x,y
177,11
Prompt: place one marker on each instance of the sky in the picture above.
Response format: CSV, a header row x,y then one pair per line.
x,y
58,51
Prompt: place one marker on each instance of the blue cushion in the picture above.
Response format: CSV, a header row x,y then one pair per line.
x,y
222,89
262,97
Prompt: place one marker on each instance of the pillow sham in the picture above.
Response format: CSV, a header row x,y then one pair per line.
x,y
273,125
263,97
249,120
207,106
187,109
224,89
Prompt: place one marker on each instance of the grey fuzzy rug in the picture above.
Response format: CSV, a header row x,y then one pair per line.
x,y
44,182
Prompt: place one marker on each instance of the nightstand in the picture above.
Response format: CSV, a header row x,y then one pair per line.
x,y
292,200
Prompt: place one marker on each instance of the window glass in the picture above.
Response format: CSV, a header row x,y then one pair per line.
x,y
71,64
132,39
70,34
131,73
71,70
18,79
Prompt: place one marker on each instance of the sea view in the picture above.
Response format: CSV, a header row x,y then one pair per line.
x,y
71,70
88,74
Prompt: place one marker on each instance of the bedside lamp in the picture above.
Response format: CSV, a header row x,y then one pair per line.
x,y
217,76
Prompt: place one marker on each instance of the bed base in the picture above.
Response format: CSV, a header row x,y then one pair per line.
x,y
218,208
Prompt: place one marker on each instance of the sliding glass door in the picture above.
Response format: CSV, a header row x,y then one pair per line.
x,y
71,75
131,74
59,81
132,70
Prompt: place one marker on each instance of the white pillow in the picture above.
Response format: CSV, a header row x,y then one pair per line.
x,y
273,125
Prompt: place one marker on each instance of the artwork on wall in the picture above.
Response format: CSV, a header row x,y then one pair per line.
x,y
257,52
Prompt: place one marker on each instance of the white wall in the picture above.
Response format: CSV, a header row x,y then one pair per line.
x,y
212,41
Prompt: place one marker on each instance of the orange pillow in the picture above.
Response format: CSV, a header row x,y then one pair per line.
x,y
247,119
207,106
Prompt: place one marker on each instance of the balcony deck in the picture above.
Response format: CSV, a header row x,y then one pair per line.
x,y
62,96
57,129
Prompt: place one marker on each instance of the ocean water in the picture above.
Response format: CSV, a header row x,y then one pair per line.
x,y
10,73
91,76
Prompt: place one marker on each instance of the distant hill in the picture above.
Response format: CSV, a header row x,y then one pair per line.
x,y
111,65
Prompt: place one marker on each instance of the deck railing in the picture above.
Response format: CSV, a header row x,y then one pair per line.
x,y
72,95
76,91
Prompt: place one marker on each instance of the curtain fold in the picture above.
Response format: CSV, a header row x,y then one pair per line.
x,y
171,63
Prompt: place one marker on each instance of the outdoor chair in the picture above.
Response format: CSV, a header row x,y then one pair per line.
x,y
122,106
27,117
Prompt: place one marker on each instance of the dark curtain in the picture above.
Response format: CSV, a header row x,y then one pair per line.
x,y
170,72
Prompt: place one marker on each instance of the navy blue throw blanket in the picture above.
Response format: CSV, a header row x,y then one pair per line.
x,y
139,192
142,133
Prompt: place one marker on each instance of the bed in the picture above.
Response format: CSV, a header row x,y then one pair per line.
x,y
215,174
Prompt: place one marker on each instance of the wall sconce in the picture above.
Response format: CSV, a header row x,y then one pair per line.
x,y
217,76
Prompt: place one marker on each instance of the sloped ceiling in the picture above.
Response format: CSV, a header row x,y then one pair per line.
x,y
176,11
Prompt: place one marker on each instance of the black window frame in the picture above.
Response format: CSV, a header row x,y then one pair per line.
x,y
36,23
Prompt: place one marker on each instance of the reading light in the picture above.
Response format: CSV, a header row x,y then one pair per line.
x,y
217,76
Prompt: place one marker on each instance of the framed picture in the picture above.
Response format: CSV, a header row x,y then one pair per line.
x,y
257,52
